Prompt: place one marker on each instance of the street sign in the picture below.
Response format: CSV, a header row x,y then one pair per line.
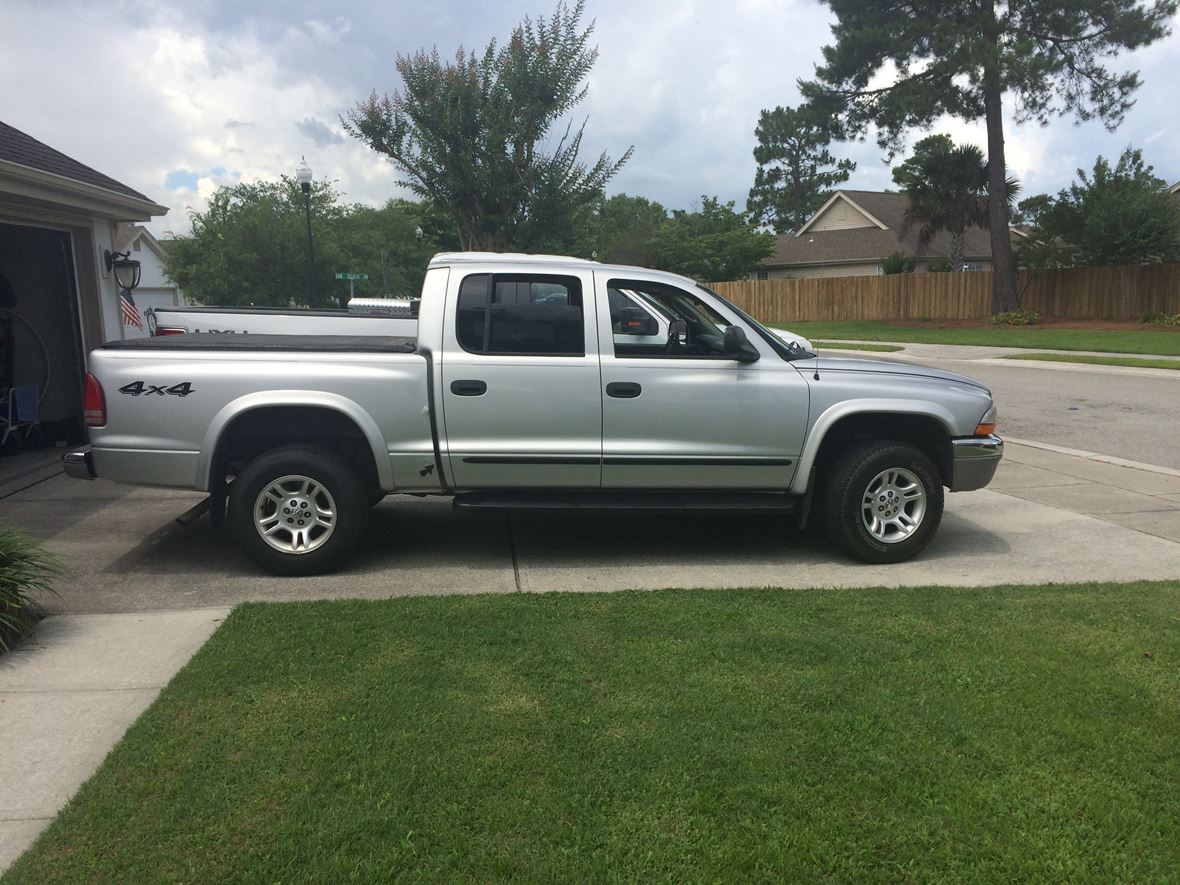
x,y
352,276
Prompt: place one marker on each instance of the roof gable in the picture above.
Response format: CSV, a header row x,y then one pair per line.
x,y
24,150
841,212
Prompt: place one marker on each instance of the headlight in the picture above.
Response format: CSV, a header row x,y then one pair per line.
x,y
987,424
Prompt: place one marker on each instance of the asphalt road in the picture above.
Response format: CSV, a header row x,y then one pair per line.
x,y
1126,413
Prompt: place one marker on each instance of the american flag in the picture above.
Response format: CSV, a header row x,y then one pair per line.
x,y
130,312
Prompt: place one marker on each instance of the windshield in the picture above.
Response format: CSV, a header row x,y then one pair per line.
x,y
787,351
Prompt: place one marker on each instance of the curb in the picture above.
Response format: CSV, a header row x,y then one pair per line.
x,y
1094,456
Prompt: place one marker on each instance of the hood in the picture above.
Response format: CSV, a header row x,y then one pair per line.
x,y
879,367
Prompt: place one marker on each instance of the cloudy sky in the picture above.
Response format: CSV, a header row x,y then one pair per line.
x,y
175,99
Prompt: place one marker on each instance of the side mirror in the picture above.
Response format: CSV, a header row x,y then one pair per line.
x,y
736,345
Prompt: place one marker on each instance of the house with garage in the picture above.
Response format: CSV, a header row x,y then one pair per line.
x,y
854,230
60,253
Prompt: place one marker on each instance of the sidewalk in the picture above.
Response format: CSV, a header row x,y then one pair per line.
x,y
68,695
993,355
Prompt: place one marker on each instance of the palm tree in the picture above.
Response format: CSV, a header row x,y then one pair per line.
x,y
947,187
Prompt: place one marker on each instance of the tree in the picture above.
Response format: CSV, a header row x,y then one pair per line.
x,y
962,57
249,246
1039,247
897,262
947,185
619,230
471,135
713,244
1118,216
796,171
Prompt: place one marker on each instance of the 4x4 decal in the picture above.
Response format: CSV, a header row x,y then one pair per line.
x,y
140,388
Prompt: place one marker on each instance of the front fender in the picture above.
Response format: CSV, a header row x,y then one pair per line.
x,y
835,413
312,398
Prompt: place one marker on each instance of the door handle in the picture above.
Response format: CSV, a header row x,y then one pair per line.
x,y
469,388
623,389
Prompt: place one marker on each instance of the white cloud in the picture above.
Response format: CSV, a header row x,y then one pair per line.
x,y
232,92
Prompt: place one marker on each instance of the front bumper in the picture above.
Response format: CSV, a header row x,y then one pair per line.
x,y
974,462
79,464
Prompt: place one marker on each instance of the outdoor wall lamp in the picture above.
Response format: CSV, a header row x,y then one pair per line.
x,y
126,268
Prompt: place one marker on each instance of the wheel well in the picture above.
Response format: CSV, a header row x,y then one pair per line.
x,y
259,430
926,434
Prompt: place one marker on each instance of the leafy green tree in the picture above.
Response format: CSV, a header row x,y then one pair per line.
x,y
249,246
475,136
619,230
963,57
1117,216
714,244
1039,246
947,186
796,171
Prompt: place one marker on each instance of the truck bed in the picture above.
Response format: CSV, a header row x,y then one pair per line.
x,y
301,343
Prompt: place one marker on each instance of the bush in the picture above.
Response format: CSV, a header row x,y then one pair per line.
x,y
25,568
896,263
1017,318
939,265
1163,320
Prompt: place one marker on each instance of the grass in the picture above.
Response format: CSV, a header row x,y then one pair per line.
x,y
844,345
1098,360
1048,337
1002,734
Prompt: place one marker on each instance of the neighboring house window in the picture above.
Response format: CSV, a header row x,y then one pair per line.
x,y
973,265
763,275
521,314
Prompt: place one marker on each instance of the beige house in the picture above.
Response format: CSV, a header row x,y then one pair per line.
x,y
850,234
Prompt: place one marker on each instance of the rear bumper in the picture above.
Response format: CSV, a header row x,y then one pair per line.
x,y
974,462
79,464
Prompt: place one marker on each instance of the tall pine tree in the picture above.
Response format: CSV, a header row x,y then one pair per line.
x,y
796,171
961,58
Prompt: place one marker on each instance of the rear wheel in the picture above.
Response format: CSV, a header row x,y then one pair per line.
x,y
298,511
882,501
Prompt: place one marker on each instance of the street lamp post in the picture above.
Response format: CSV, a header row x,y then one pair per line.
x,y
303,176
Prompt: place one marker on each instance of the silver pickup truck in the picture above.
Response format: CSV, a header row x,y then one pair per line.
x,y
530,385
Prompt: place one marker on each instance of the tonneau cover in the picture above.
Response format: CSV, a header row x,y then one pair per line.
x,y
216,341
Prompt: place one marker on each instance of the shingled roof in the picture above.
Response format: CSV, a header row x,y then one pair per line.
x,y
871,243
17,147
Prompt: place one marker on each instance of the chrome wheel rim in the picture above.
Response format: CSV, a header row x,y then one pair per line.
x,y
295,514
893,505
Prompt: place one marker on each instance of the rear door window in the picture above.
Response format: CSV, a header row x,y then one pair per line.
x,y
515,314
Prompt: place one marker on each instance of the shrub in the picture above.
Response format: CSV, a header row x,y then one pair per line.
x,y
25,568
939,265
1163,320
1017,318
896,263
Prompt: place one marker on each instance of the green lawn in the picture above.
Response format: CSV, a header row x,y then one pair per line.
x,y
994,735
844,345
1098,360
1148,340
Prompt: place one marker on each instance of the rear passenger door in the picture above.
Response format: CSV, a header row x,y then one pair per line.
x,y
521,405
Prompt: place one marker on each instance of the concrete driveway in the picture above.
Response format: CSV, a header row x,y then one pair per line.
x,y
1048,516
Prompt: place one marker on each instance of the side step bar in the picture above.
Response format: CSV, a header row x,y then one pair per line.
x,y
777,502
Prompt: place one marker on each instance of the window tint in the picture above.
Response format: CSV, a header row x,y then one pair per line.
x,y
511,314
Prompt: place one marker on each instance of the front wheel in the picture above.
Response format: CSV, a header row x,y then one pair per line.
x,y
298,511
882,501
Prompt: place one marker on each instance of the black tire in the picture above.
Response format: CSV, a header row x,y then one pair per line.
x,y
331,487
914,495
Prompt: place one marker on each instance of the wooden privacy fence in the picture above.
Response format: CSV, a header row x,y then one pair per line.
x,y
1093,293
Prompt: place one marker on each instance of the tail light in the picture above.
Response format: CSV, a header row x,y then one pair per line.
x,y
169,330
94,403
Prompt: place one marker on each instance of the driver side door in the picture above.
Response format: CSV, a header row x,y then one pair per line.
x,y
688,417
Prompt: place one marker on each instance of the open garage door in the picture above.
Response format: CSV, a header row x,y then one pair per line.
x,y
40,335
